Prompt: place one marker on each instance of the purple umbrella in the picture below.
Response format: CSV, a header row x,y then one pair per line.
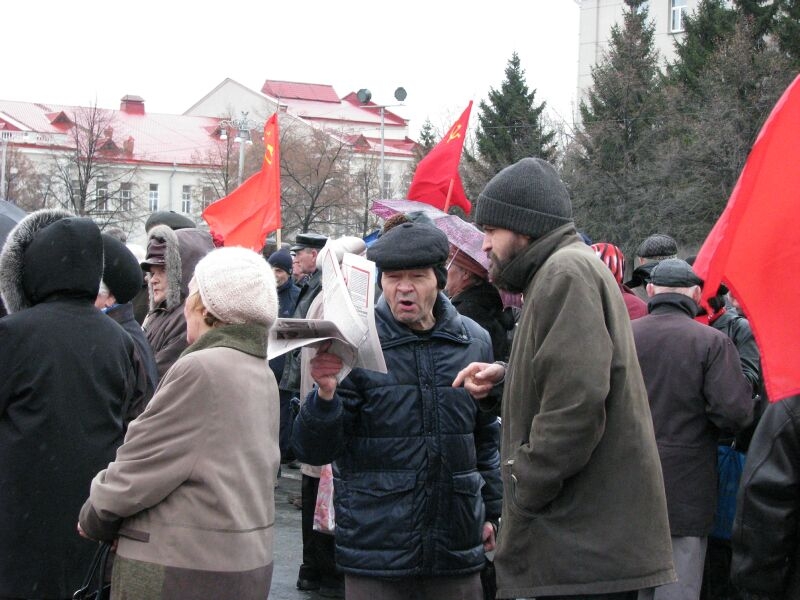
x,y
461,234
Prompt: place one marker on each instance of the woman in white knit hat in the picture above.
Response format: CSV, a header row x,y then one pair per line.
x,y
190,496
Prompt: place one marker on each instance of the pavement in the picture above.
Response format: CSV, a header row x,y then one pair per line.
x,y
288,553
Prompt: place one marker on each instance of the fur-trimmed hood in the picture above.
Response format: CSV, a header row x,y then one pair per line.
x,y
182,250
68,261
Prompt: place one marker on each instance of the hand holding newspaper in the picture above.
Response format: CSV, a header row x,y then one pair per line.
x,y
349,309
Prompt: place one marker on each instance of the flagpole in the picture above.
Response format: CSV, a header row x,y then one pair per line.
x,y
278,238
449,193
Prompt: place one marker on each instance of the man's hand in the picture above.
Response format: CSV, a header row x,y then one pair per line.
x,y
324,368
479,378
82,533
488,537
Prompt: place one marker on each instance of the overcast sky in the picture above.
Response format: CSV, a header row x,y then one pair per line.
x,y
171,52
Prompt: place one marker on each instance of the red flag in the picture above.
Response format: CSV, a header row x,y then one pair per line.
x,y
253,210
755,247
437,176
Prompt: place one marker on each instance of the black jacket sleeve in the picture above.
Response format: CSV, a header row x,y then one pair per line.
x,y
765,531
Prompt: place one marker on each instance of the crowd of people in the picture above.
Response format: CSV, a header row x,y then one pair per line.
x,y
565,448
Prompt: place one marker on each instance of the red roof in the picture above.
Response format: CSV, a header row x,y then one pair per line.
x,y
290,90
319,102
157,138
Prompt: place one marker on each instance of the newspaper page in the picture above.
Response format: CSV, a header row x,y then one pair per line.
x,y
360,276
346,326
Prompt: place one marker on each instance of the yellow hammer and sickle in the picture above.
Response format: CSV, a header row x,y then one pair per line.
x,y
455,132
270,150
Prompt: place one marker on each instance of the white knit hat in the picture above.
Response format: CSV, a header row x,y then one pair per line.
x,y
236,285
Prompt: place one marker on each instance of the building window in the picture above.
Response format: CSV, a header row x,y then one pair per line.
x,y
208,196
101,196
677,13
126,196
152,197
186,199
386,190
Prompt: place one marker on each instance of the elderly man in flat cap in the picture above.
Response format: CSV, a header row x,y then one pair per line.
x,y
416,464
696,390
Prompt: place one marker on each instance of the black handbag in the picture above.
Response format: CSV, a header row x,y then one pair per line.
x,y
94,586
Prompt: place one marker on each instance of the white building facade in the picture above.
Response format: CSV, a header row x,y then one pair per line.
x,y
598,16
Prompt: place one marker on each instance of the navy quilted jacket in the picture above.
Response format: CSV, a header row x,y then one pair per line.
x,y
416,469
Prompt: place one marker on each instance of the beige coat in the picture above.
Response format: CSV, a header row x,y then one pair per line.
x,y
193,484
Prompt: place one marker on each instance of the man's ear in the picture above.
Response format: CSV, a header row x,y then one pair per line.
x,y
696,293
651,291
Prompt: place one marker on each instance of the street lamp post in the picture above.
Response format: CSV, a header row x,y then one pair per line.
x,y
243,125
3,170
364,96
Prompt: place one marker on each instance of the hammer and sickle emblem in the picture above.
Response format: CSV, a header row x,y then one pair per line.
x,y
269,150
455,132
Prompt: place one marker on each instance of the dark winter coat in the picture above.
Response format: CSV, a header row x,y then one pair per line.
x,y
165,326
482,304
696,388
144,360
738,329
290,380
766,531
416,463
287,301
65,378
583,498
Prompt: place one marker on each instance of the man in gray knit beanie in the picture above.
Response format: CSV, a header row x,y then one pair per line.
x,y
581,470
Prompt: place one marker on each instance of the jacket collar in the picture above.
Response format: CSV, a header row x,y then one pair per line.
x,y
671,302
448,324
518,273
248,338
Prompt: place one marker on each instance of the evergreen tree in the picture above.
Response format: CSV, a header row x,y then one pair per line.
x,y
608,167
510,123
787,28
713,126
705,29
427,137
762,13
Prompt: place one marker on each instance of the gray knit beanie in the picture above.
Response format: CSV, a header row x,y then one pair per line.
x,y
527,197
236,285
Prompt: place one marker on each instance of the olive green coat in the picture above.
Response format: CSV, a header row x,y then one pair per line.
x,y
584,510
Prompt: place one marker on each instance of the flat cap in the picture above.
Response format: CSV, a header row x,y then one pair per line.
x,y
674,272
309,240
169,218
658,246
410,246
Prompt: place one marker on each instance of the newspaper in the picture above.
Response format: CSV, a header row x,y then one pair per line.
x,y
349,307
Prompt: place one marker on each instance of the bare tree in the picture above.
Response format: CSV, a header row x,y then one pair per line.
x,y
92,177
316,182
25,185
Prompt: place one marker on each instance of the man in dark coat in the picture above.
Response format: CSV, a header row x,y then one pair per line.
x,y
304,251
696,390
766,531
121,282
281,263
416,466
171,258
473,296
65,379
